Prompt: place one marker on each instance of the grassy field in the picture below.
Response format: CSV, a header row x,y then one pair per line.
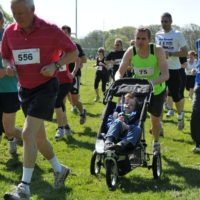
x,y
181,167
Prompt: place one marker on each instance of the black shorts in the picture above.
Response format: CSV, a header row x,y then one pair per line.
x,y
174,85
76,85
156,104
9,102
39,102
190,82
64,89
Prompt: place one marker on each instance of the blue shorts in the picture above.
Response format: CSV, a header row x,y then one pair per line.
x,y
39,102
9,102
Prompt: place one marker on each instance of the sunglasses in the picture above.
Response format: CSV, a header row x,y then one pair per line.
x,y
164,21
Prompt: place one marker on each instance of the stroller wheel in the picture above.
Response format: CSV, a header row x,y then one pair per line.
x,y
111,174
95,163
157,166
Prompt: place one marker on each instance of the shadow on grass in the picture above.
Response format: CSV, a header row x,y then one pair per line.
x,y
182,141
140,184
44,189
74,143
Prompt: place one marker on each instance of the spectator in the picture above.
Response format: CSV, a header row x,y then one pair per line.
x,y
190,75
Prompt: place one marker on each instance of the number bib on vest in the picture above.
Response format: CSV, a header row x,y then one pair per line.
x,y
99,68
26,56
146,71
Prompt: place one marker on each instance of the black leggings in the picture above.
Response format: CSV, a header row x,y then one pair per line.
x,y
103,77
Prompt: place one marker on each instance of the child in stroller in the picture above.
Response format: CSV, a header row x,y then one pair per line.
x,y
121,145
123,132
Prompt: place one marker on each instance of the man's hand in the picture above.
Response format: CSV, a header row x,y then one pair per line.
x,y
10,71
48,70
2,73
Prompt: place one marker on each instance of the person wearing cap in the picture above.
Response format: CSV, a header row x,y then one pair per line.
x,y
31,47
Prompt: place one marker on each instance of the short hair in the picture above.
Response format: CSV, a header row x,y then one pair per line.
x,y
118,40
167,15
192,52
67,28
1,15
144,29
29,3
101,50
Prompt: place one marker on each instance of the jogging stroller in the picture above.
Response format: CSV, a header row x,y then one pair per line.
x,y
115,164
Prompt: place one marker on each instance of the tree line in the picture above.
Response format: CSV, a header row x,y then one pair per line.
x,y
98,38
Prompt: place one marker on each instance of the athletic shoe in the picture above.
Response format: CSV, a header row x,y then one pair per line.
x,y
156,147
180,124
60,177
196,149
74,109
59,133
83,117
22,192
97,98
170,113
12,146
67,130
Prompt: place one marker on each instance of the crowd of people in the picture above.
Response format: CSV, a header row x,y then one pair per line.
x,y
42,74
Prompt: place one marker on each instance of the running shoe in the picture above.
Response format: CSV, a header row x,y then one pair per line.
x,y
60,177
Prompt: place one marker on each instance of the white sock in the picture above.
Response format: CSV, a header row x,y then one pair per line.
x,y
27,174
55,164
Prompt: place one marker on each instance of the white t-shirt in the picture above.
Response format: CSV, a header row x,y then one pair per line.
x,y
190,67
171,41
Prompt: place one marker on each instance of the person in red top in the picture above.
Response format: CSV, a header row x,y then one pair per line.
x,y
31,46
65,79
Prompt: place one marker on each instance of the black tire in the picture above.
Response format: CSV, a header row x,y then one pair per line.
x,y
111,174
95,163
157,166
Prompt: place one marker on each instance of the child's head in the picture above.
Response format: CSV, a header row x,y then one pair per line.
x,y
130,103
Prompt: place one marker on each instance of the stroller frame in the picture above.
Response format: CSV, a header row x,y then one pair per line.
x,y
118,165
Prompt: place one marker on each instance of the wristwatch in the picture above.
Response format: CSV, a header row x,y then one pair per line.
x,y
58,65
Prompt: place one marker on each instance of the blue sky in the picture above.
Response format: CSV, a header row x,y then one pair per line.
x,y
111,14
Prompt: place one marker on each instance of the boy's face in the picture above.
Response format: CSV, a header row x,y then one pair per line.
x,y
129,105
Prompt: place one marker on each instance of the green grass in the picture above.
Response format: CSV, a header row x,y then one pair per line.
x,y
181,168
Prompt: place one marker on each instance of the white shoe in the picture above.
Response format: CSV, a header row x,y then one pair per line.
x,y
67,130
60,177
12,146
22,192
196,150
170,113
180,124
59,134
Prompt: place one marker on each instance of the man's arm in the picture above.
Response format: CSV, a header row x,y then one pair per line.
x,y
181,53
67,58
125,63
162,63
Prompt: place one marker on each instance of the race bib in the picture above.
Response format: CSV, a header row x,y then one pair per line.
x,y
99,68
146,71
26,56
63,68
